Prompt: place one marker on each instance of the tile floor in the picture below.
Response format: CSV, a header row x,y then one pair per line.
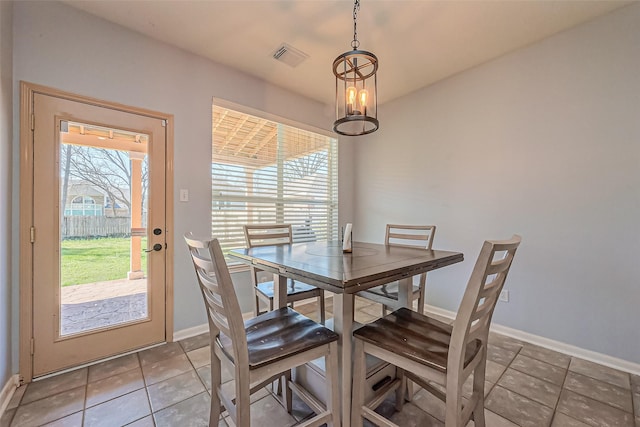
x,y
168,386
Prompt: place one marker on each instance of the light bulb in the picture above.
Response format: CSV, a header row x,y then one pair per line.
x,y
363,97
351,99
351,95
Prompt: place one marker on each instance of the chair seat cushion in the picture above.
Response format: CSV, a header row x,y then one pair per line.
x,y
293,288
415,336
390,290
279,334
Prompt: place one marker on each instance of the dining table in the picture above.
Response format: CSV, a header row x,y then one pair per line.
x,y
325,265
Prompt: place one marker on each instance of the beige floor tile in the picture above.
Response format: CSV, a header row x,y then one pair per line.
x,y
412,416
228,388
539,369
161,352
592,412
119,411
113,367
200,357
518,409
562,420
505,342
636,404
143,422
599,390
195,342
600,372
204,373
552,357
363,318
635,383
6,418
533,388
114,386
193,412
494,371
174,390
53,385
374,310
494,420
268,412
167,368
50,408
500,355
429,404
73,420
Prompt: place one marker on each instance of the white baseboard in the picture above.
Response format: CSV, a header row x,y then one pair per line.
x,y
7,392
571,350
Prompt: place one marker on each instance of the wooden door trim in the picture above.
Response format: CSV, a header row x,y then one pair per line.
x,y
27,93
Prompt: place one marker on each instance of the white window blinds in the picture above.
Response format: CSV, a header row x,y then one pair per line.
x,y
264,172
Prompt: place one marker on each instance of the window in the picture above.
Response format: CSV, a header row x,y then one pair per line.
x,y
83,206
266,172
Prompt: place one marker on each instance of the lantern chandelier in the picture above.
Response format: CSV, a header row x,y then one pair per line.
x,y
356,88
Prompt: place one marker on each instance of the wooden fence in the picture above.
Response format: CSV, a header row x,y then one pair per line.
x,y
75,227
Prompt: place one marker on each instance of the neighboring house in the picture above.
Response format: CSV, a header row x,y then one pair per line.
x,y
84,199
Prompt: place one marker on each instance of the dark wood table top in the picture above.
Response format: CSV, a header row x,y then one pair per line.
x,y
323,264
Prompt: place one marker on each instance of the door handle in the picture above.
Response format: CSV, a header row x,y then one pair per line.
x,y
156,247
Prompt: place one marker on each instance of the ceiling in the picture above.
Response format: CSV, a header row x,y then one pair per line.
x,y
417,42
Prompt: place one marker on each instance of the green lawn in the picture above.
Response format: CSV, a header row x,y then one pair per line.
x,y
96,260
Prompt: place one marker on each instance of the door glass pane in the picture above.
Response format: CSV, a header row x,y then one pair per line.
x,y
103,219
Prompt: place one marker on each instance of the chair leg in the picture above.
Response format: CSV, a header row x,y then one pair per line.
x,y
359,378
421,301
400,391
287,393
216,379
478,388
333,389
256,306
243,401
321,307
453,402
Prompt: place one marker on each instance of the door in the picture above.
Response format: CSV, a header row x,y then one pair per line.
x,y
98,236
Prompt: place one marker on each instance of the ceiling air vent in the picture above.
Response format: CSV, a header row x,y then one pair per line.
x,y
289,55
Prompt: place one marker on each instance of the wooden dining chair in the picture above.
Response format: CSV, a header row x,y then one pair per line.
x,y
408,236
277,234
261,350
426,350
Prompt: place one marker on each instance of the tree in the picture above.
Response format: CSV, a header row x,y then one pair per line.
x,y
106,169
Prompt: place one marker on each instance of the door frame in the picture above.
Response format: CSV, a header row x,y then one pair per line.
x,y
27,93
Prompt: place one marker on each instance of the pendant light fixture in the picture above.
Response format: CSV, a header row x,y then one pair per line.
x,y
356,88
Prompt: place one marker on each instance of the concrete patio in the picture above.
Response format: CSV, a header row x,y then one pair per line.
x,y
102,304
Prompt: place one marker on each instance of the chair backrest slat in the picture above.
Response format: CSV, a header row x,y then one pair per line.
x,y
219,296
410,236
481,295
267,234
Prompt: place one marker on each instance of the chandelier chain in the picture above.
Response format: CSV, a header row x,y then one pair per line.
x,y
356,7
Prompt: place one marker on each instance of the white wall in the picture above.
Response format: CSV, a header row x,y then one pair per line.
x,y
61,47
6,85
544,142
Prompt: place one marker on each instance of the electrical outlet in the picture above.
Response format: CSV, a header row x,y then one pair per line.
x,y
184,195
504,295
